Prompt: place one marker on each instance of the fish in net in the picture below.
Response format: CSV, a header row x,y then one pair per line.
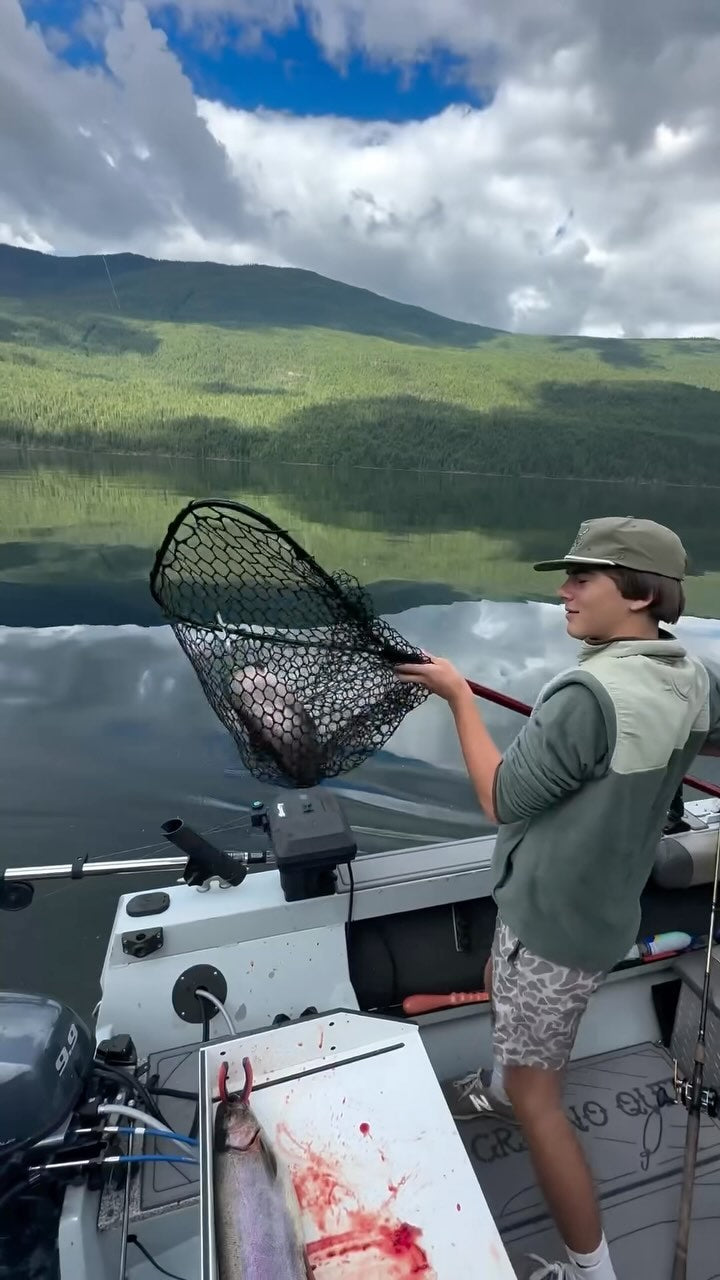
x,y
292,659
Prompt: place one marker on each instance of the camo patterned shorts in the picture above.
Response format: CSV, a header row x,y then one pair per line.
x,y
536,1005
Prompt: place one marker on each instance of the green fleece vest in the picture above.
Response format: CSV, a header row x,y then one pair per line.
x,y
582,809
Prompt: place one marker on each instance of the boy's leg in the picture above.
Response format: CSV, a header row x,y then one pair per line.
x,y
537,1007
558,1158
480,1092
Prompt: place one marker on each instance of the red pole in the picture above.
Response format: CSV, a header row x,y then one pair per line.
x,y
523,709
502,699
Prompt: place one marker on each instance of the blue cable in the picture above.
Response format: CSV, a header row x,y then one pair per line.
x,y
145,1159
159,1133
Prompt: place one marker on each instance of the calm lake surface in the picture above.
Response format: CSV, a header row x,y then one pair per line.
x,y
105,732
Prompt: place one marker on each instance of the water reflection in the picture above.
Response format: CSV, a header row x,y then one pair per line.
x,y
106,731
78,533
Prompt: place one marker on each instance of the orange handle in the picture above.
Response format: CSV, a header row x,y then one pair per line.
x,y
426,1004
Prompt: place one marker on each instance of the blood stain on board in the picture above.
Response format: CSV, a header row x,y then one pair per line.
x,y
352,1243
394,1187
365,1131
369,1245
319,1189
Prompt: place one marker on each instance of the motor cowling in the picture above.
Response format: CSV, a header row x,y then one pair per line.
x,y
46,1056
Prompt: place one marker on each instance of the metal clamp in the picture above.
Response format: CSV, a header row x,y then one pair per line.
x,y
142,943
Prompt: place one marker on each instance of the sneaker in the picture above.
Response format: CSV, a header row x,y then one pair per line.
x,y
471,1099
550,1270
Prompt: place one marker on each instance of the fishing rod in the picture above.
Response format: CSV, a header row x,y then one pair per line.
x,y
695,1098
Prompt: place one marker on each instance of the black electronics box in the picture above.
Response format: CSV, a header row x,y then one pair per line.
x,y
310,839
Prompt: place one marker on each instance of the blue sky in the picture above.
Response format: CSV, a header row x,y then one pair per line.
x,y
286,71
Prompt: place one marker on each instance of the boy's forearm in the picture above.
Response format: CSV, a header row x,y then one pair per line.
x,y
479,751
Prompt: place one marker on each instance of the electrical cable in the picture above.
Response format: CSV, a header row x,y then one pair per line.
x,y
141,1130
186,1094
351,901
207,995
133,1113
114,1072
171,1274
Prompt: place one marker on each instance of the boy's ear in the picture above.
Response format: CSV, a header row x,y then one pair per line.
x,y
636,606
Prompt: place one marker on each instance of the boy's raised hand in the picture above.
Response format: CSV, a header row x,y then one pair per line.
x,y
438,675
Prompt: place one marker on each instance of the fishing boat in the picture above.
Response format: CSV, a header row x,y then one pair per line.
x,y
350,981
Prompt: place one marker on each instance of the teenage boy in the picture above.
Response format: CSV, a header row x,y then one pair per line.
x,y
580,798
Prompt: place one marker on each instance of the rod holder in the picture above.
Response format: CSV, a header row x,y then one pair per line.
x,y
203,858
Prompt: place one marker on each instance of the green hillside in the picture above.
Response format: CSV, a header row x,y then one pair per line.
x,y
253,297
261,362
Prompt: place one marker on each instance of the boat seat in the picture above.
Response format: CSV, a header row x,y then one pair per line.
x,y
685,858
691,971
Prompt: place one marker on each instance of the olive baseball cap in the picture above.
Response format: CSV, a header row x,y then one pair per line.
x,y
626,542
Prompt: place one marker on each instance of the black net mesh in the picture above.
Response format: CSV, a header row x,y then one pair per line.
x,y
292,659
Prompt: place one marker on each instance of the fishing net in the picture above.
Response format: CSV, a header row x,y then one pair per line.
x,y
293,660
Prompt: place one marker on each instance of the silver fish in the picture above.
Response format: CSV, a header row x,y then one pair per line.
x,y
277,721
258,1227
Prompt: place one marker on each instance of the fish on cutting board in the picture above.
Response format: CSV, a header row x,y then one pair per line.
x,y
258,1225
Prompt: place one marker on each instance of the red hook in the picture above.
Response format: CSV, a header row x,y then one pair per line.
x,y
244,1097
247,1087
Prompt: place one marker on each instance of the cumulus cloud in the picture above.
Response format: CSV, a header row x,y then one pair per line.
x,y
95,157
584,198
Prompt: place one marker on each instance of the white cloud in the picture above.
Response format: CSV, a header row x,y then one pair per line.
x,y
585,198
22,237
72,142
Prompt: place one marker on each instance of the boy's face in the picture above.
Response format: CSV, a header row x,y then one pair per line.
x,y
595,609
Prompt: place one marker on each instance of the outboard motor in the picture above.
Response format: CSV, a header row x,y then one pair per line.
x,y
46,1064
46,1057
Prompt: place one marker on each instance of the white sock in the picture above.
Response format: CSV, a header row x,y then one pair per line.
x,y
497,1088
596,1265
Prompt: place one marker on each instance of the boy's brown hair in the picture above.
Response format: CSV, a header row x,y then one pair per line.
x,y
667,596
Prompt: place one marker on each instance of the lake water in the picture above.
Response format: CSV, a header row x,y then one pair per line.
x,y
105,732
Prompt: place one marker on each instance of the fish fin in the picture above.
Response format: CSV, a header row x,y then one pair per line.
x,y
268,1156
